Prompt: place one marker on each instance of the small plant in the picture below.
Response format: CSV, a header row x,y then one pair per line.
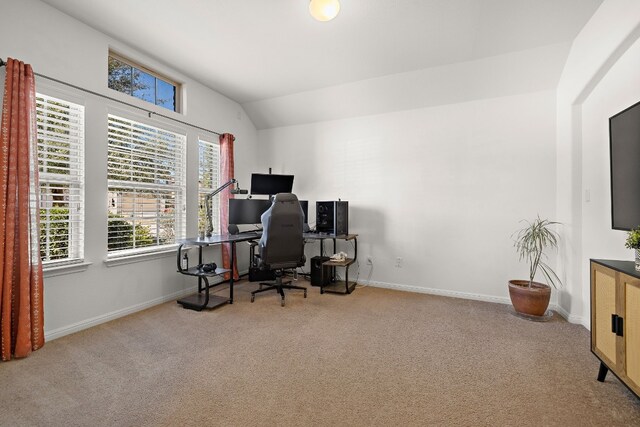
x,y
531,242
633,239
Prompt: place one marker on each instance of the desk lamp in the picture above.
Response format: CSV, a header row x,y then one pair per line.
x,y
208,197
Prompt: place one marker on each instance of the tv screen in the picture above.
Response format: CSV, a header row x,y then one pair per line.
x,y
249,211
624,140
270,183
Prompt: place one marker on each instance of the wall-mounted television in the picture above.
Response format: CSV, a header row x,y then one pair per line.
x,y
624,147
262,183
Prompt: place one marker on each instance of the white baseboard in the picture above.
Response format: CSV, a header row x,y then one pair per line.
x,y
94,321
433,291
572,318
467,295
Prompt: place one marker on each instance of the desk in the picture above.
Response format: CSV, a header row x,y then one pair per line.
x,y
202,299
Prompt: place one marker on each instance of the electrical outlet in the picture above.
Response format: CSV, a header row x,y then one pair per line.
x,y
399,262
369,260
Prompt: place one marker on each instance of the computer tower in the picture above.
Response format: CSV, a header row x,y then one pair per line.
x,y
320,274
257,275
332,217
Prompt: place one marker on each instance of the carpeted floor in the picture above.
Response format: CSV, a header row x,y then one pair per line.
x,y
376,357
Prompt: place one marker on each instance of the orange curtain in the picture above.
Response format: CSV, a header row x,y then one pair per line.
x,y
21,305
226,173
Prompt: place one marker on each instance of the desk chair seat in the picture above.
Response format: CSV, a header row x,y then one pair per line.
x,y
281,246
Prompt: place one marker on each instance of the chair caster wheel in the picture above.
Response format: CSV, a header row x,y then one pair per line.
x,y
282,302
253,298
305,293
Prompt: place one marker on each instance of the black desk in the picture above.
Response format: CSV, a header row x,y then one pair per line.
x,y
202,299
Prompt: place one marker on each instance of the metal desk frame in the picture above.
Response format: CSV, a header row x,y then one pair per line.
x,y
202,300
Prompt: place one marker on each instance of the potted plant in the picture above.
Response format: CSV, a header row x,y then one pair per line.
x,y
633,242
527,296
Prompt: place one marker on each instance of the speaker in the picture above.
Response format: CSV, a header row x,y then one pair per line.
x,y
332,217
320,274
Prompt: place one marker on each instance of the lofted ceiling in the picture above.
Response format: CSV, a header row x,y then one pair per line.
x,y
253,50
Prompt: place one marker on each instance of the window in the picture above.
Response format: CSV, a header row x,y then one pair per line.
x,y
61,170
134,80
146,187
208,181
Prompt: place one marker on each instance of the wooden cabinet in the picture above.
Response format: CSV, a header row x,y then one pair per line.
x,y
615,320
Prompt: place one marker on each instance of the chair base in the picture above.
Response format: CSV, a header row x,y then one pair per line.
x,y
279,286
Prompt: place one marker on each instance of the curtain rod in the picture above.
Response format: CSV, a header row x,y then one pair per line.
x,y
2,64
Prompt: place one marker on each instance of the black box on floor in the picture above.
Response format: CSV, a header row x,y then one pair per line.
x,y
320,274
257,275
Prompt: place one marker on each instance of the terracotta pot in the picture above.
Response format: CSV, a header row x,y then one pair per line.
x,y
532,300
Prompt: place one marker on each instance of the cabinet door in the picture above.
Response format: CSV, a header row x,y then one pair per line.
x,y
603,297
632,331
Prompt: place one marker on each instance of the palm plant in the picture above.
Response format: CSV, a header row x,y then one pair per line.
x,y
531,242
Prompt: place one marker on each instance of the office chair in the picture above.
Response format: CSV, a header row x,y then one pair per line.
x,y
281,245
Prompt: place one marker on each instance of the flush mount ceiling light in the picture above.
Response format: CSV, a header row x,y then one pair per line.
x,y
324,10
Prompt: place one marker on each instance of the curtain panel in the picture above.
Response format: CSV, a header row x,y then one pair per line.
x,y
226,173
21,297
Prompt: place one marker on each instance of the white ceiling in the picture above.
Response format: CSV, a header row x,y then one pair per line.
x,y
251,50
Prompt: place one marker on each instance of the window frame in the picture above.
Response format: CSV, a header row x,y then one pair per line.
x,y
75,180
155,74
180,204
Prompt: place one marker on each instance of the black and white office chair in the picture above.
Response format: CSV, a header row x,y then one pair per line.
x,y
281,245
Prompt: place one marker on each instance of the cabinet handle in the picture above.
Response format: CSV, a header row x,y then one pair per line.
x,y
620,327
614,323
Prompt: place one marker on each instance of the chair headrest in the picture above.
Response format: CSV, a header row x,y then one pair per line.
x,y
285,197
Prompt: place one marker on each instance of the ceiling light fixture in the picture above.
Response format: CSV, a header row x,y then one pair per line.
x,y
324,10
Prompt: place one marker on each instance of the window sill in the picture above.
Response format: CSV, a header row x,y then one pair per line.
x,y
61,270
140,257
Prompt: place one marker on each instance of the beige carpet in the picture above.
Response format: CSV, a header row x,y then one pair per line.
x,y
376,357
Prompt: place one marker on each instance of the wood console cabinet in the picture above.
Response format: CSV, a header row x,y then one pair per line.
x,y
615,320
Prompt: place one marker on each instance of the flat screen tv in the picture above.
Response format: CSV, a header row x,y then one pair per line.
x,y
624,144
262,183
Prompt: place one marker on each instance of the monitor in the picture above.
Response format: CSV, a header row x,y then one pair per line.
x,y
305,209
270,184
624,140
249,211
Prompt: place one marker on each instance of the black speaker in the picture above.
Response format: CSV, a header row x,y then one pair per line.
x,y
332,217
320,274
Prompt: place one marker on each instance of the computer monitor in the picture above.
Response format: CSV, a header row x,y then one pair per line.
x,y
270,184
249,211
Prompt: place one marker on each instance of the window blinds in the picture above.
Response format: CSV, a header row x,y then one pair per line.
x,y
60,127
209,180
146,186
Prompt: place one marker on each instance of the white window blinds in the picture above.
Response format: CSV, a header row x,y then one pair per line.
x,y
146,187
209,180
61,171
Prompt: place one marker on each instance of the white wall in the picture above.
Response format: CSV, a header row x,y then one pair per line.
x,y
599,80
61,47
525,71
442,187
